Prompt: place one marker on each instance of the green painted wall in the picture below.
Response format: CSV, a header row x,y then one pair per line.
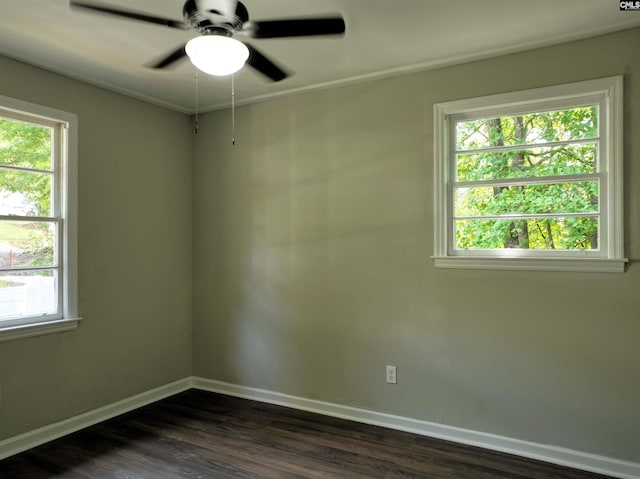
x,y
134,259
312,239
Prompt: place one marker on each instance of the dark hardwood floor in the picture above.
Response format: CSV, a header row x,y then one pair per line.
x,y
197,434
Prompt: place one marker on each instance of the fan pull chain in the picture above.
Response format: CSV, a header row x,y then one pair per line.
x,y
233,110
196,123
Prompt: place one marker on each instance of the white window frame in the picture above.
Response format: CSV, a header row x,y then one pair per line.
x,y
65,127
608,94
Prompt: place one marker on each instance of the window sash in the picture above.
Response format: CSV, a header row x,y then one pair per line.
x,y
27,170
526,216
530,180
507,182
522,146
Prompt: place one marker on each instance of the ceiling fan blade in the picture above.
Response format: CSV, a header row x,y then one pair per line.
x,y
300,27
174,56
132,15
265,66
241,13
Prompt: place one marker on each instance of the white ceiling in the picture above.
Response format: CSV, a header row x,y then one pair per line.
x,y
382,37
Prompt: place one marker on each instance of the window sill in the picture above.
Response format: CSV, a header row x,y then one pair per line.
x,y
580,265
13,333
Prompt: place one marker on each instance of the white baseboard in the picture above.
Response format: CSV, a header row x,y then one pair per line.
x,y
556,455
28,440
552,454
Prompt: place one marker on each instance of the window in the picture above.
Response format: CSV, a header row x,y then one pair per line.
x,y
531,180
37,220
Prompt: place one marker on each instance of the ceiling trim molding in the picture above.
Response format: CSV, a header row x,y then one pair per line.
x,y
431,65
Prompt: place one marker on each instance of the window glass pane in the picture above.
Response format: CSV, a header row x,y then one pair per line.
x,y
534,128
533,234
24,243
555,198
25,145
25,194
538,161
23,294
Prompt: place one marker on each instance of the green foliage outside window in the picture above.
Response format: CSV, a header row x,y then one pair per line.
x,y
26,190
558,208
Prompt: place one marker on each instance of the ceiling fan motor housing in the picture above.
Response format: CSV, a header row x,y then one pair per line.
x,y
213,17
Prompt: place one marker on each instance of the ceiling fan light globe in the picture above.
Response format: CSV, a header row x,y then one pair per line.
x,y
216,54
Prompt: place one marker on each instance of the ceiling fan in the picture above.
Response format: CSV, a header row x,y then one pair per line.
x,y
216,50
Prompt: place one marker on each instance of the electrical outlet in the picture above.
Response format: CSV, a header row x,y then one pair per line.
x,y
391,375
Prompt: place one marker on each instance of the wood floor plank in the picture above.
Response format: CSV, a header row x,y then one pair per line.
x,y
201,435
